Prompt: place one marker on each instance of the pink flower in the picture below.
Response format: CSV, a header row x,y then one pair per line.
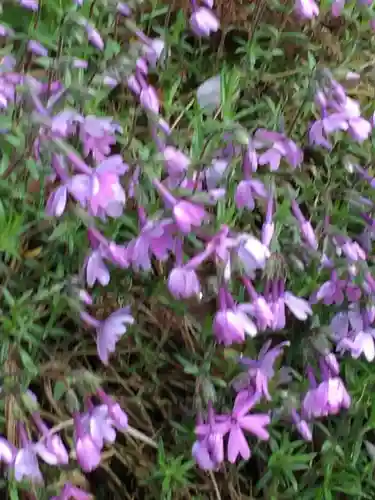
x,y
88,453
101,191
240,421
306,9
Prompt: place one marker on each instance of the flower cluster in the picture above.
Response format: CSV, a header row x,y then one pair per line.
x,y
86,176
308,9
92,430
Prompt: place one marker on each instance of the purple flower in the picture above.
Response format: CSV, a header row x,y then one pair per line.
x,y
117,415
5,30
351,249
64,123
111,330
239,421
340,112
70,492
250,160
97,136
213,174
84,297
307,9
93,35
100,426
176,162
156,238
7,451
274,294
302,426
154,51
245,192
149,99
334,395
230,323
183,283
359,128
252,253
57,201
124,9
258,308
208,450
37,48
51,448
25,464
29,4
133,84
332,291
352,332
328,397
305,226
277,146
79,63
88,453
300,308
202,455
203,22
96,269
268,227
320,130
313,403
188,215
260,371
337,7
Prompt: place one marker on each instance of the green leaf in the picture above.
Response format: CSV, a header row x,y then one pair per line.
x,y
59,390
28,363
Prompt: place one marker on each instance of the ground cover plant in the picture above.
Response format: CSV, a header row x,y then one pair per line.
x,y
186,228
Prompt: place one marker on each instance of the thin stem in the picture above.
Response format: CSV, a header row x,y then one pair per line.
x,y
130,431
